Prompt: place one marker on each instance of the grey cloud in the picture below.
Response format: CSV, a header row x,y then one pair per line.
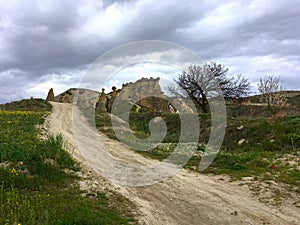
x,y
39,38
12,84
107,3
42,39
55,17
164,22
271,32
274,32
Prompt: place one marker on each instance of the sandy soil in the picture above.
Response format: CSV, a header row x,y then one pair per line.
x,y
186,198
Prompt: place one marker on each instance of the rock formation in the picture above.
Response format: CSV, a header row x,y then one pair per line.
x,y
101,104
111,98
78,95
145,94
181,106
50,96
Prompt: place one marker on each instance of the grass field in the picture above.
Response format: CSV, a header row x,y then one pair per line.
x,y
38,182
266,143
33,104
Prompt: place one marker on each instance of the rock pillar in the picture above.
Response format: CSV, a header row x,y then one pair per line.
x,y
50,96
101,104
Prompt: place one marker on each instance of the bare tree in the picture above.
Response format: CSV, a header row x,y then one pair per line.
x,y
272,91
208,81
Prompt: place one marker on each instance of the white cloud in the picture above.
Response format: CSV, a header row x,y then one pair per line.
x,y
260,66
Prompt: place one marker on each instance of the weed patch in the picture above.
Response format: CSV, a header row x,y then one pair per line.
x,y
38,178
264,143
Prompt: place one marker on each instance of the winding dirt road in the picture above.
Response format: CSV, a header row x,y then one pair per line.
x,y
186,198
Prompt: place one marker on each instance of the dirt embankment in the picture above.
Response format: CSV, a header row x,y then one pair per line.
x,y
186,198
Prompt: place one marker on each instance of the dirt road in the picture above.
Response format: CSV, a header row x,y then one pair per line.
x,y
186,198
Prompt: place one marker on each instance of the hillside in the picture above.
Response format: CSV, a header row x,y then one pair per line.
x,y
292,97
39,180
187,197
261,155
33,104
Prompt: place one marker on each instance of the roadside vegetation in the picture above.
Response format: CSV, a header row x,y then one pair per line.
x,y
38,179
254,145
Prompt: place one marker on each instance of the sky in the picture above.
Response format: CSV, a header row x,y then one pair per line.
x,y
59,44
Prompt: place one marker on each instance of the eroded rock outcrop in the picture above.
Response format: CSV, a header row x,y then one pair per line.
x,y
74,95
101,104
50,96
181,106
145,94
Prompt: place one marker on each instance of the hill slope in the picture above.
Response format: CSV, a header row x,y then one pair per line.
x,y
34,104
186,198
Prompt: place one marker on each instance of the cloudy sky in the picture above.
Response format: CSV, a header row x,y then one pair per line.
x,y
47,44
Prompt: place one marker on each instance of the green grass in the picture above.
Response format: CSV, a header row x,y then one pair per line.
x,y
38,181
280,135
139,124
266,143
33,104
